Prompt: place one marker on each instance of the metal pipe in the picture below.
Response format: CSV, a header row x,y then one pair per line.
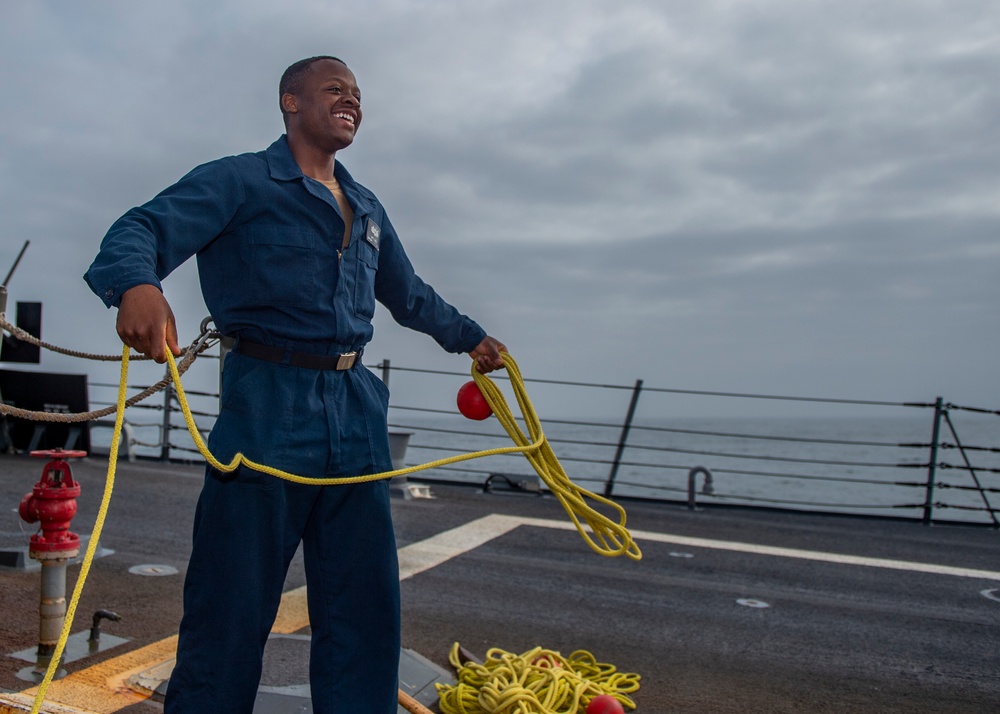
x,y
622,440
708,489
16,261
932,466
972,472
168,392
52,606
95,627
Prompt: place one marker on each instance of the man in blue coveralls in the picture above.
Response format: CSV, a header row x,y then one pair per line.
x,y
292,255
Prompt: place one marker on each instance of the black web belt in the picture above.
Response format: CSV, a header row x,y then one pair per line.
x,y
278,355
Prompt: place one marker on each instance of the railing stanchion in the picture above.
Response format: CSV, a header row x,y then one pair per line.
x,y
932,464
972,471
622,440
165,429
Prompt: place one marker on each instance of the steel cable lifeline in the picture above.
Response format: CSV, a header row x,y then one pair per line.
x,y
614,538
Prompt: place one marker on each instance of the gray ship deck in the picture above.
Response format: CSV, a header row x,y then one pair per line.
x,y
863,614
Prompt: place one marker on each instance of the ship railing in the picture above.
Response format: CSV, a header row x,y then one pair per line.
x,y
930,461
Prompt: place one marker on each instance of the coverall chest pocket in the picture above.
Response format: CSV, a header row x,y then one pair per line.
x,y
364,282
283,266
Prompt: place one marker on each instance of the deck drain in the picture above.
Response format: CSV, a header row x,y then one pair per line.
x,y
676,554
993,594
750,602
153,570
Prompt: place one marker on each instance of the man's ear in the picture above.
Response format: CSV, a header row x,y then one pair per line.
x,y
289,104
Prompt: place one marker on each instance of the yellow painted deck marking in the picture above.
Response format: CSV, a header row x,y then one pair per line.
x,y
20,703
100,689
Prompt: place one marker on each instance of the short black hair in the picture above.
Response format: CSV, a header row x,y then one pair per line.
x,y
291,79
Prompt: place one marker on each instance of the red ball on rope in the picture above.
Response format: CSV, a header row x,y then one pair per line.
x,y
472,403
605,704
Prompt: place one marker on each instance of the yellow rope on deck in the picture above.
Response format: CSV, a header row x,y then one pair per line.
x,y
610,538
538,681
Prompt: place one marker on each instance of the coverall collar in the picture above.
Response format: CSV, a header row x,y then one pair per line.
x,y
283,167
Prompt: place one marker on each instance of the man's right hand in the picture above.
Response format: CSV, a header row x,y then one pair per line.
x,y
146,322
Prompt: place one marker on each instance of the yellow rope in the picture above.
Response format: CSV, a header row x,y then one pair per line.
x,y
240,458
538,681
95,539
612,538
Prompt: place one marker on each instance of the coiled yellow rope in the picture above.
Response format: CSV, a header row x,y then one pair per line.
x,y
612,538
538,681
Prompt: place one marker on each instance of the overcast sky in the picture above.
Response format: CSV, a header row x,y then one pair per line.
x,y
783,196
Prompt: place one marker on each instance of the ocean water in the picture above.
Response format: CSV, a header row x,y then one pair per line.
x,y
871,465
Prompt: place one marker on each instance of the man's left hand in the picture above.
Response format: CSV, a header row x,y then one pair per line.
x,y
487,355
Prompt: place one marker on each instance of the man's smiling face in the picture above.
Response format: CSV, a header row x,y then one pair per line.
x,y
326,111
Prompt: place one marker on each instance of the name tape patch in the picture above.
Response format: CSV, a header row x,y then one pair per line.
x,y
372,233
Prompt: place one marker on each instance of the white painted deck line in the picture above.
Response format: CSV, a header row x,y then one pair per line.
x,y
426,554
816,555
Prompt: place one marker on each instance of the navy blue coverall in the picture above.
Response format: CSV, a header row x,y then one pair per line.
x,y
269,246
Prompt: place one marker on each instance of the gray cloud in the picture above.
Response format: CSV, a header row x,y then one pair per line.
x,y
794,196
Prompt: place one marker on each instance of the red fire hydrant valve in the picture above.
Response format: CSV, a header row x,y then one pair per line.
x,y
52,503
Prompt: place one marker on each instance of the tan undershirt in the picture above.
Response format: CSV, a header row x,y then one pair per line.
x,y
345,209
